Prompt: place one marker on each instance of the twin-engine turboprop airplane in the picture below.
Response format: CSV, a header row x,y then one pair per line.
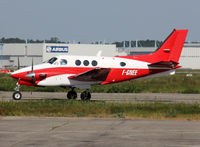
x,y
84,71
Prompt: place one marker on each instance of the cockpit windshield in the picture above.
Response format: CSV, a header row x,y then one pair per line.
x,y
52,60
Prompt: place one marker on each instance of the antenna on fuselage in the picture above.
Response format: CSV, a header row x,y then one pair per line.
x,y
99,53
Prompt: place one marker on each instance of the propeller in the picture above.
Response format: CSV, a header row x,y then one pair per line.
x,y
31,75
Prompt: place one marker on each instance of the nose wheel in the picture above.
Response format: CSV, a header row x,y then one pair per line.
x,y
17,94
85,95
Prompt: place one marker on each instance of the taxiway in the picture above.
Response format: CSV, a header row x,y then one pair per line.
x,y
93,132
110,97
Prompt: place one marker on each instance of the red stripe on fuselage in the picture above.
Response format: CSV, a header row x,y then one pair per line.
x,y
119,75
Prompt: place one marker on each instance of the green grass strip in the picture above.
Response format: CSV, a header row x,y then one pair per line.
x,y
67,108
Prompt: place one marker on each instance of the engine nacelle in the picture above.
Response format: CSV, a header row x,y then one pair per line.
x,y
36,76
21,82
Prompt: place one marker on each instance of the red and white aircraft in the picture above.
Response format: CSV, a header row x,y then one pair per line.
x,y
84,71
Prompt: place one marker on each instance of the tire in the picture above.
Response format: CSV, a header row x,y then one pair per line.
x,y
71,95
17,95
85,96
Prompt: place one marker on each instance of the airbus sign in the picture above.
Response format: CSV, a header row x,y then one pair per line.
x,y
57,49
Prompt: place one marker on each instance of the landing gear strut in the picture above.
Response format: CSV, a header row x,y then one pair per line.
x,y
72,94
17,94
85,95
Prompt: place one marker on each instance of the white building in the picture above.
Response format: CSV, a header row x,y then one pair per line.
x,y
11,53
190,56
50,50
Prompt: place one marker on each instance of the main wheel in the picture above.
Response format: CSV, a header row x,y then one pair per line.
x,y
72,94
17,95
85,96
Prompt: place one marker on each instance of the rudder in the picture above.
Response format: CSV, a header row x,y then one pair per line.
x,y
172,46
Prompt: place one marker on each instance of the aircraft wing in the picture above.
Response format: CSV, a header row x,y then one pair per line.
x,y
97,74
169,64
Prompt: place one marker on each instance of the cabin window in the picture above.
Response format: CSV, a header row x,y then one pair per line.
x,y
122,64
63,62
78,62
52,60
86,62
94,63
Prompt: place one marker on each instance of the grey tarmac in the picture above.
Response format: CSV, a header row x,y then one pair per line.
x,y
110,97
97,132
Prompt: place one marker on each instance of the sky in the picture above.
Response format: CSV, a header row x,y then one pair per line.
x,y
98,20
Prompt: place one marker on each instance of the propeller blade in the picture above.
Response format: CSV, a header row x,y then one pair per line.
x,y
31,75
32,65
18,63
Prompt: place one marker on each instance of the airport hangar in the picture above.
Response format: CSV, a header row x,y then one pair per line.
x,y
13,54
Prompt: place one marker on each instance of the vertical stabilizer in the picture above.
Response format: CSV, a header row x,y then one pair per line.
x,y
170,51
172,47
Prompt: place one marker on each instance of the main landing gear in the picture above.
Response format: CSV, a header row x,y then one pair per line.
x,y
72,94
85,95
17,94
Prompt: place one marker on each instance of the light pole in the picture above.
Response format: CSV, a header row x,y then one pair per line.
x,y
1,49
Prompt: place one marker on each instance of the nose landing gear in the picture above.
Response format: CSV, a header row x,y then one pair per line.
x,y
17,94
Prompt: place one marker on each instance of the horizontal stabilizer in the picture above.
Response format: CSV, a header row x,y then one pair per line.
x,y
97,74
170,64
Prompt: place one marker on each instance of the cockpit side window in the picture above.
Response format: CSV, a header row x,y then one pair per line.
x,y
52,60
63,62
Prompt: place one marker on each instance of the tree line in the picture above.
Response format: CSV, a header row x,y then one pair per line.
x,y
139,43
19,40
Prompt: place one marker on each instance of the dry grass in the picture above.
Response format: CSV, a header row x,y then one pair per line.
x,y
66,108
